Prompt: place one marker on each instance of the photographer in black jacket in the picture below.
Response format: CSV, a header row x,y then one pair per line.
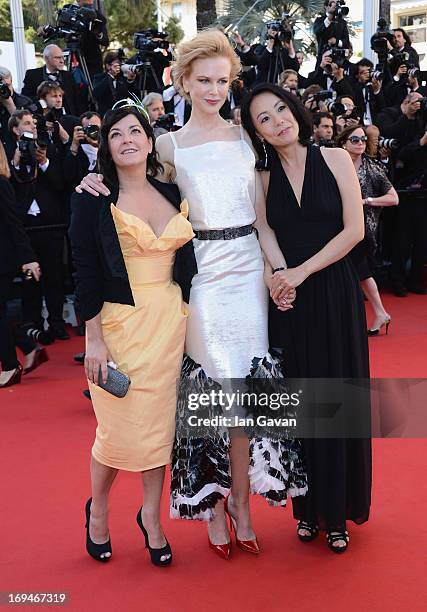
x,y
329,75
408,124
368,93
331,28
82,155
278,55
112,85
38,182
10,101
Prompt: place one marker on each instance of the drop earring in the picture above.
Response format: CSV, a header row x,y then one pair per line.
x,y
265,154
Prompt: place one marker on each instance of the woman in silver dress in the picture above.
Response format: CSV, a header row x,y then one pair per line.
x,y
227,336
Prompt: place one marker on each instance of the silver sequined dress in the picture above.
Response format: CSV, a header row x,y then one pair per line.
x,y
227,332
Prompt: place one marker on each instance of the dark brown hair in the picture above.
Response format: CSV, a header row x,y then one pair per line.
x,y
47,86
105,162
342,138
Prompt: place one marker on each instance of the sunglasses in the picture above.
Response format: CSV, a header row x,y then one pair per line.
x,y
357,139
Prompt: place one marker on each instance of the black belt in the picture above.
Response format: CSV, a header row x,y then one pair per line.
x,y
225,234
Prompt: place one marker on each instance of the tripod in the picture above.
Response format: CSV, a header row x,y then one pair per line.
x,y
73,55
147,69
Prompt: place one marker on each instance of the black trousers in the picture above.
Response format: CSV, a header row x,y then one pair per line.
x,y
49,249
10,336
409,239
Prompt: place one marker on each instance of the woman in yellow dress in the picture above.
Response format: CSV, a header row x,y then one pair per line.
x,y
127,250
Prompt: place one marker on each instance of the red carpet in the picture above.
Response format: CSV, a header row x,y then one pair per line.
x,y
47,432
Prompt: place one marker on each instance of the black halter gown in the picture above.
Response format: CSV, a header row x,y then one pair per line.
x,y
324,336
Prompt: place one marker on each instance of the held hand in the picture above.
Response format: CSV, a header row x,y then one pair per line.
x,y
41,156
239,40
401,70
32,269
285,280
130,76
92,183
376,85
326,60
285,302
78,137
96,358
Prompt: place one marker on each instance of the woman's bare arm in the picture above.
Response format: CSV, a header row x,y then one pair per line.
x,y
97,355
353,231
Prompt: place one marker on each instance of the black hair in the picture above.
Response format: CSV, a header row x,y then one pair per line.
x,y
297,109
317,119
105,161
341,98
406,36
88,115
364,62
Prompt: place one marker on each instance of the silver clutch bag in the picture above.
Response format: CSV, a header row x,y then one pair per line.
x,y
117,384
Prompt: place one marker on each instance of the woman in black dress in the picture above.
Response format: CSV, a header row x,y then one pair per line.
x,y
377,191
315,207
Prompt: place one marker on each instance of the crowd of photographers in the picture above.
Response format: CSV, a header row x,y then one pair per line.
x,y
50,131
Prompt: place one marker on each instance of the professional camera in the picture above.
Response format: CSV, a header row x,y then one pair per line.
x,y
4,90
72,21
328,97
145,43
325,142
380,38
166,121
27,148
388,143
283,27
137,68
92,131
342,9
338,54
402,59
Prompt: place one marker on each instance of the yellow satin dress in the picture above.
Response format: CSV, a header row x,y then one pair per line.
x,y
146,341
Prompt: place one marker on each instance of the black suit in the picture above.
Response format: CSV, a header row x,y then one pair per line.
x,y
75,167
408,221
106,93
318,77
337,29
101,274
47,191
34,77
272,64
170,107
91,43
7,138
364,95
15,250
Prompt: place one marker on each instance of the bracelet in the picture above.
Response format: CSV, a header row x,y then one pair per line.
x,y
278,270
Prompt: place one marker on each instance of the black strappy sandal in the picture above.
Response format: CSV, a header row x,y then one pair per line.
x,y
156,554
335,536
313,529
96,550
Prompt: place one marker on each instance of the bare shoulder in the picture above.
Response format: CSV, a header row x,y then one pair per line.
x,y
164,148
337,159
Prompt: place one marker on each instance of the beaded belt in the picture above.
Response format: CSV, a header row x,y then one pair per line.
x,y
225,234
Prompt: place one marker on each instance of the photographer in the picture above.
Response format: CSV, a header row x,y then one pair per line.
x,y
175,103
112,85
82,155
38,182
405,81
331,28
92,40
403,44
407,124
329,75
368,94
9,102
278,55
323,129
53,70
53,124
159,121
15,253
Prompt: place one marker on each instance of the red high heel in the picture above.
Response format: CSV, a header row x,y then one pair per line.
x,y
250,546
222,550
15,379
40,357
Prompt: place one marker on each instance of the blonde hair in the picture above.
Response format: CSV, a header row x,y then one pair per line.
x,y
4,166
285,75
208,43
